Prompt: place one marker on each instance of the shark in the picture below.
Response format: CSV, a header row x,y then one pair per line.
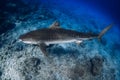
x,y
54,34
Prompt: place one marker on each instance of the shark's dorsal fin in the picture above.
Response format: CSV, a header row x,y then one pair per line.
x,y
55,25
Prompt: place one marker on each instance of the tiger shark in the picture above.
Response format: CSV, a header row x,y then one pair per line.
x,y
57,35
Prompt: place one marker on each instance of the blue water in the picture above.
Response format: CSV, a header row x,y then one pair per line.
x,y
96,15
79,15
93,16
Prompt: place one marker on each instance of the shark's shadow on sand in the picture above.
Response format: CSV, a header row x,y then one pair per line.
x,y
60,51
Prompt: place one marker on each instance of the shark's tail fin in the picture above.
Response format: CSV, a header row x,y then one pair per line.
x,y
104,31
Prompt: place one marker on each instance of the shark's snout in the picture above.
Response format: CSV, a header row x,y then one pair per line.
x,y
26,39
19,40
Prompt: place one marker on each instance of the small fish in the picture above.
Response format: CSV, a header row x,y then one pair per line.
x,y
56,35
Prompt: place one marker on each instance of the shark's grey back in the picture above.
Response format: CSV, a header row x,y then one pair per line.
x,y
56,34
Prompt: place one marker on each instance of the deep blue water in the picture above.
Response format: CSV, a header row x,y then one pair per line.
x,y
96,14
103,12
109,8
84,16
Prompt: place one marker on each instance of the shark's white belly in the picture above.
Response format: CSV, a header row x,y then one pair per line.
x,y
61,41
54,42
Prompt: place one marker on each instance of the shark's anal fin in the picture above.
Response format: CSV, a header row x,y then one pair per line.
x,y
43,47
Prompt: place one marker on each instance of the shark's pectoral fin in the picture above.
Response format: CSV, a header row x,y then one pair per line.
x,y
43,47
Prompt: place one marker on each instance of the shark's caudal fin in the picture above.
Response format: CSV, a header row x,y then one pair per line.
x,y
104,31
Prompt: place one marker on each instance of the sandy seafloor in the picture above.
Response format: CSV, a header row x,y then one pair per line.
x,y
91,60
